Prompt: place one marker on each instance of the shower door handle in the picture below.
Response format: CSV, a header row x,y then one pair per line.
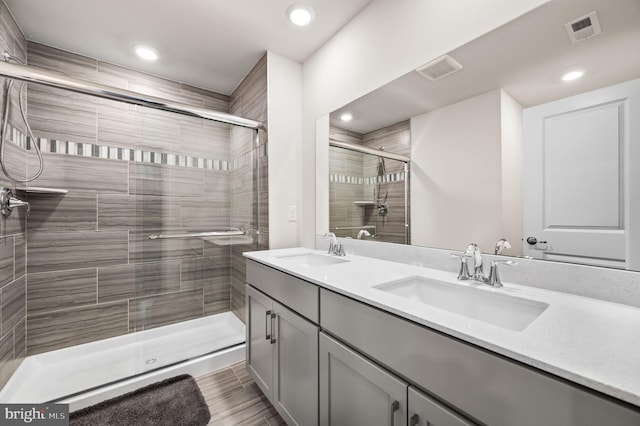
x,y
268,326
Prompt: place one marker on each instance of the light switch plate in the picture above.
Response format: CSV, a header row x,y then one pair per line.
x,y
292,214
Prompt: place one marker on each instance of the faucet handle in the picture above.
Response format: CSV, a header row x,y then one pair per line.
x,y
460,255
494,276
8,202
463,274
339,249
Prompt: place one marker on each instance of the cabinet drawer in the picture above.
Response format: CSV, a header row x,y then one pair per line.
x,y
485,386
296,294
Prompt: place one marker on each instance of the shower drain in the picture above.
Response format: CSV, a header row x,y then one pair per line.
x,y
151,361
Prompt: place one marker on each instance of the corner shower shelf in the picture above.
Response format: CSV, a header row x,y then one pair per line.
x,y
364,203
232,241
42,190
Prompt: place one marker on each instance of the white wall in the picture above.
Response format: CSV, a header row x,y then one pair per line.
x,y
456,175
512,140
386,40
322,184
284,83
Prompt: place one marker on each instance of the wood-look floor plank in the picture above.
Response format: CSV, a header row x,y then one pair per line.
x,y
234,399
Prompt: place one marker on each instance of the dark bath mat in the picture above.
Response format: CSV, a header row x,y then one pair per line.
x,y
172,402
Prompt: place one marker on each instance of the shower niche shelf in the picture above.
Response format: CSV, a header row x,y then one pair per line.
x,y
42,190
364,203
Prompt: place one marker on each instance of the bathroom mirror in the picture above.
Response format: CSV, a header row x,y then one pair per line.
x,y
470,186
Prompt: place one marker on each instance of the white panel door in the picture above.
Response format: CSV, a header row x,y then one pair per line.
x,y
581,155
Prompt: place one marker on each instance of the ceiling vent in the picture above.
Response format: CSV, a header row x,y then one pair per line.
x,y
440,68
583,28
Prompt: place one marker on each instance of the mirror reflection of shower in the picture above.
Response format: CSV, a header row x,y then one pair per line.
x,y
368,183
5,124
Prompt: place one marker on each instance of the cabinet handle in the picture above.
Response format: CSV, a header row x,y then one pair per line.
x,y
395,406
273,334
267,332
414,420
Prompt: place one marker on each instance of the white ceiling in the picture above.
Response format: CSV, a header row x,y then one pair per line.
x,y
525,57
206,43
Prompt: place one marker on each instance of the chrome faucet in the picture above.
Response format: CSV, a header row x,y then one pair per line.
x,y
478,271
335,247
332,241
473,251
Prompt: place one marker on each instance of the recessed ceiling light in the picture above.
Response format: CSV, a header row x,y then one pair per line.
x,y
145,52
300,14
346,117
573,75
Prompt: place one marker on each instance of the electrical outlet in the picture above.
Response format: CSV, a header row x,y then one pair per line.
x,y
292,214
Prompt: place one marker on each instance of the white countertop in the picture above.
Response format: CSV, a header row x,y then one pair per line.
x,y
587,341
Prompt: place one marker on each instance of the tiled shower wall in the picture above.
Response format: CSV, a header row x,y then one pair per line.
x,y
12,229
352,176
130,172
249,100
92,271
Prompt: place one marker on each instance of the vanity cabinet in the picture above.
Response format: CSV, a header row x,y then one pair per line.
x,y
282,357
489,388
322,357
424,411
356,391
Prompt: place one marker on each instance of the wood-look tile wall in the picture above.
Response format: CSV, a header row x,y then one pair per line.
x,y
81,268
343,212
92,271
12,229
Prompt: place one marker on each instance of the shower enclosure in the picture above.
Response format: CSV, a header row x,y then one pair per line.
x,y
369,185
149,195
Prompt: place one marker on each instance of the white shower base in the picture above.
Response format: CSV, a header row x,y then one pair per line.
x,y
77,375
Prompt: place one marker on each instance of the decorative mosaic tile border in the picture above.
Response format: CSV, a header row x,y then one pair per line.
x,y
140,156
357,180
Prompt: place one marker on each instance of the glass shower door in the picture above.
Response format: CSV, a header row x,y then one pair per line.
x,y
194,187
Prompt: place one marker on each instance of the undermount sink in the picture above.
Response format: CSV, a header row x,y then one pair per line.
x,y
312,260
506,311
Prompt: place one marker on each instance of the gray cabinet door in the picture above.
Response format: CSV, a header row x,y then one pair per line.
x,y
354,391
424,411
295,391
260,339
